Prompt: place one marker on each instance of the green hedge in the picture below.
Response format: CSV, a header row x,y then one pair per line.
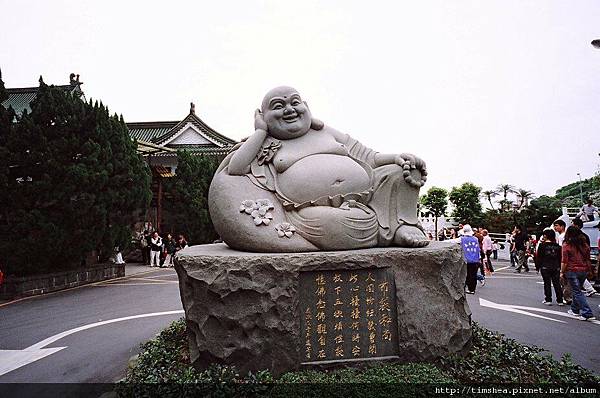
x,y
163,367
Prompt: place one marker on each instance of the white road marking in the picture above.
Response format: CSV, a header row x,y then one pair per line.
x,y
509,308
521,309
138,284
500,269
513,277
14,359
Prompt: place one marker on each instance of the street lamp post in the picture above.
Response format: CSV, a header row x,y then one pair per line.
x,y
580,188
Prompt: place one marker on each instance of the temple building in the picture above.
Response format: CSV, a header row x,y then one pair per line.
x,y
159,143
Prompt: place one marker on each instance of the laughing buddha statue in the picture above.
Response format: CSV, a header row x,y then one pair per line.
x,y
297,185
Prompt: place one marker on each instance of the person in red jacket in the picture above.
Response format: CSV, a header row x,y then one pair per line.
x,y
575,266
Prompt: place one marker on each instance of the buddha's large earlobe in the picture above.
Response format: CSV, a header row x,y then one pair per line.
x,y
315,124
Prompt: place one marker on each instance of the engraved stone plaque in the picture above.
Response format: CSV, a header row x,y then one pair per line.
x,y
348,315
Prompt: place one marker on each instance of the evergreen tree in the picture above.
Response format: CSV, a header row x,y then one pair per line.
x,y
6,125
188,199
75,184
467,208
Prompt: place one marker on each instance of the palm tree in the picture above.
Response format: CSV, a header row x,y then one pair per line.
x,y
505,189
489,195
524,196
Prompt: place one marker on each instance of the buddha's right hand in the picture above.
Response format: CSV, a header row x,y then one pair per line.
x,y
259,121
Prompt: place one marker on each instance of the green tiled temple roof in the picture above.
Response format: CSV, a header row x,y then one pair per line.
x,y
147,131
20,98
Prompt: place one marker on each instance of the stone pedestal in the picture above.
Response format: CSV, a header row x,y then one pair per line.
x,y
285,311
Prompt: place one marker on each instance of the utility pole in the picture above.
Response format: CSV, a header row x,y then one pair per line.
x,y
580,189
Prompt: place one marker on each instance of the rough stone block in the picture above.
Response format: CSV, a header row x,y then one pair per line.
x,y
263,310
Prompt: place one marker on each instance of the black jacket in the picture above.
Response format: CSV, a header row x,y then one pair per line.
x,y
548,256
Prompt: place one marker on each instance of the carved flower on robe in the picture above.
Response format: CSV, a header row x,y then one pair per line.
x,y
264,203
285,230
248,206
262,216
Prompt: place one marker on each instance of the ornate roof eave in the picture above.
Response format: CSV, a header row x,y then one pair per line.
x,y
197,151
148,148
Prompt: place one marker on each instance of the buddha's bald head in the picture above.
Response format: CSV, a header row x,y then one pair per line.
x,y
286,115
281,91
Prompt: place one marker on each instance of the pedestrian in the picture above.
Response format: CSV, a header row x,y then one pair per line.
x,y
547,262
477,234
520,240
181,243
155,249
513,251
587,211
575,266
560,227
145,246
488,249
170,248
587,286
495,249
471,255
453,233
530,248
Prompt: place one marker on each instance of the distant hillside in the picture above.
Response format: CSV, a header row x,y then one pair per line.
x,y
569,195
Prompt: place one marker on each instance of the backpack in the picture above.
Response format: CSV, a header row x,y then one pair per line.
x,y
470,247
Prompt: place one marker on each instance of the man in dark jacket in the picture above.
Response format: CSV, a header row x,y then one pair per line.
x,y
547,261
520,239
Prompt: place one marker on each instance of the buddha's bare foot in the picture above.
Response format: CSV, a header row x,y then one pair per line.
x,y
410,236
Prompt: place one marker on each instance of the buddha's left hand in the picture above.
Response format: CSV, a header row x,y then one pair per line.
x,y
415,162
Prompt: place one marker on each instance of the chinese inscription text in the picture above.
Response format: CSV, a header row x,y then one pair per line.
x,y
348,314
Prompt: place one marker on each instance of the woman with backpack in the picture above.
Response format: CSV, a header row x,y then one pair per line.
x,y
471,255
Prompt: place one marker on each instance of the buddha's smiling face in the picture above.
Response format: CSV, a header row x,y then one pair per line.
x,y
286,115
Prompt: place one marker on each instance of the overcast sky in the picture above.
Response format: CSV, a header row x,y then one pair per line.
x,y
484,91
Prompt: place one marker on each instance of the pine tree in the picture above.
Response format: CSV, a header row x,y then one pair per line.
x,y
76,182
6,125
188,199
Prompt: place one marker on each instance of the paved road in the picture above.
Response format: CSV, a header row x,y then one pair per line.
x,y
558,335
100,353
97,354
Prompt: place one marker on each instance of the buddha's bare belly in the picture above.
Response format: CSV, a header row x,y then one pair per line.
x,y
322,175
